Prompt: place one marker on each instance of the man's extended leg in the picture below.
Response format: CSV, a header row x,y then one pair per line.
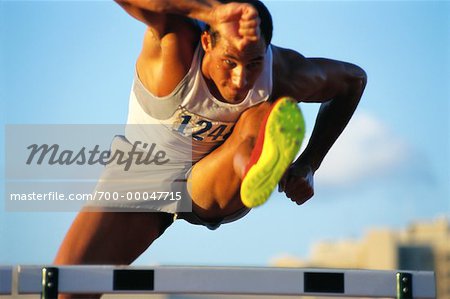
x,y
110,238
215,181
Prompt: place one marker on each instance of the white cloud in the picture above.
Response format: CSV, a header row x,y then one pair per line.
x,y
366,149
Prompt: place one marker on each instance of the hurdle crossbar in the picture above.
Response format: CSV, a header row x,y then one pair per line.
x,y
5,280
51,280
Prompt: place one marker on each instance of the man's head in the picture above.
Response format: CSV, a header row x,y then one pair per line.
x,y
230,72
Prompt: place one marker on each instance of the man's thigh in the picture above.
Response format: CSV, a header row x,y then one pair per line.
x,y
214,182
111,237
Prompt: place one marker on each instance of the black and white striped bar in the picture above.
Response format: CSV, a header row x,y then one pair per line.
x,y
228,280
6,273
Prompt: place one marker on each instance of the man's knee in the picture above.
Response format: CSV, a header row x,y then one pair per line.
x,y
250,120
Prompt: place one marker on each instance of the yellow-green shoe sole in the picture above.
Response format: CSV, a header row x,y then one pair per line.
x,y
284,132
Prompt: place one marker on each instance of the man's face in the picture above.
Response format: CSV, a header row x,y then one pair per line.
x,y
231,73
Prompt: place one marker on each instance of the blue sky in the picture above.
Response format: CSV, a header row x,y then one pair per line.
x,y
72,63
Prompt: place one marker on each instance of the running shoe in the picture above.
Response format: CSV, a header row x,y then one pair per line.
x,y
279,140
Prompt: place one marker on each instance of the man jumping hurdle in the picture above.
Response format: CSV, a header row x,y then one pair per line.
x,y
228,77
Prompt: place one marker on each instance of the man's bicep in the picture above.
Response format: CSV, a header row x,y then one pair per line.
x,y
324,78
159,26
336,78
306,79
157,21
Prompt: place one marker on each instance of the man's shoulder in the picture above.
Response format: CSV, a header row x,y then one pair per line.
x,y
293,73
286,61
286,55
177,43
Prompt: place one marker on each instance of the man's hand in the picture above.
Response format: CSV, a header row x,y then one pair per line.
x,y
298,183
238,22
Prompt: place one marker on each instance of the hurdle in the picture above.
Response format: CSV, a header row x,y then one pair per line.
x,y
5,280
51,280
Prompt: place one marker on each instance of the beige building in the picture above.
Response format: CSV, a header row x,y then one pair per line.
x,y
421,246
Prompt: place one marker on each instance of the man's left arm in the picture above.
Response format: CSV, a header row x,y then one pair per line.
x,y
339,87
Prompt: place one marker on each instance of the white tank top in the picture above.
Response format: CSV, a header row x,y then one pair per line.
x,y
192,104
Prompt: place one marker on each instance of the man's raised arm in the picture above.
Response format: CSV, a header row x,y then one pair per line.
x,y
339,87
340,91
237,21
149,11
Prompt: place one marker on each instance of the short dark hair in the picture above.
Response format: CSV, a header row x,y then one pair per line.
x,y
266,25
